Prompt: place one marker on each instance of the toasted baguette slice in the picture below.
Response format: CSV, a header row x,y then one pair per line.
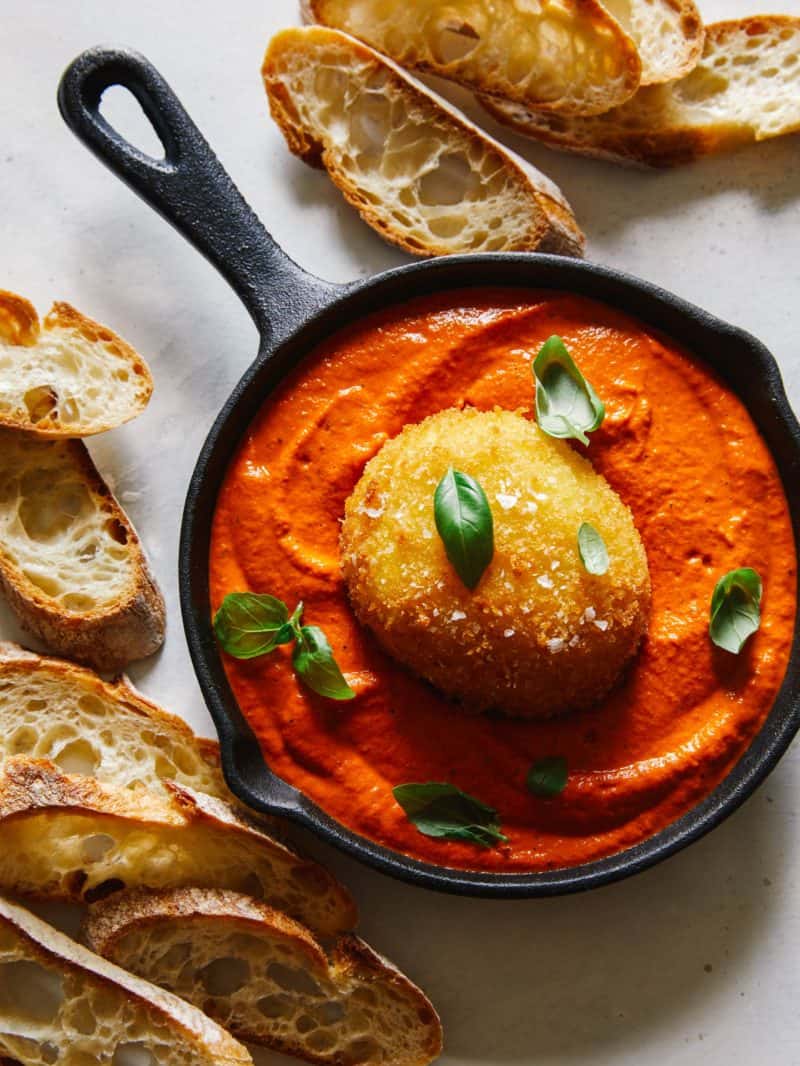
x,y
60,1003
65,837
746,88
52,709
264,977
417,171
68,376
71,564
668,33
567,56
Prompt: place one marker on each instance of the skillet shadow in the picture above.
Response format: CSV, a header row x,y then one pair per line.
x,y
589,978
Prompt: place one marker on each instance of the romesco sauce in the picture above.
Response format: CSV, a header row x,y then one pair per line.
x,y
679,448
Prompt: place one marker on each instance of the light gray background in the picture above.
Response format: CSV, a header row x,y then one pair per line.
x,y
694,962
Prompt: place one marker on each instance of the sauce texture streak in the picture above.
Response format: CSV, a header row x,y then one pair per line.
x,y
682,452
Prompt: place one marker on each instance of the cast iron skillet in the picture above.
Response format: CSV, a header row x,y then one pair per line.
x,y
293,312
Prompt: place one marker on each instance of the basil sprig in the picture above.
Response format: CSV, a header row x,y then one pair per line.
x,y
735,609
442,810
464,522
566,404
592,549
548,777
250,624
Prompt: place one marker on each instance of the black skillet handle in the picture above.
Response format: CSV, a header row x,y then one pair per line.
x,y
189,186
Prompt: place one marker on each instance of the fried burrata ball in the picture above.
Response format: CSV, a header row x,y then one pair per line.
x,y
539,635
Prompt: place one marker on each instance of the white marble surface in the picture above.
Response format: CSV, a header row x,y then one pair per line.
x,y
694,962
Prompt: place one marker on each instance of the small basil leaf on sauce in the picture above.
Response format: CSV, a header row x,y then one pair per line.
x,y
566,404
464,521
248,624
548,777
442,810
316,667
735,609
592,549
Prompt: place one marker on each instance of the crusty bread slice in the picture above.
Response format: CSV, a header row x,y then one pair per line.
x,y
66,837
264,977
60,1003
71,564
68,376
567,56
746,88
55,710
417,171
668,33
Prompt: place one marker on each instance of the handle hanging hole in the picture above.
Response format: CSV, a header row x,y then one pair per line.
x,y
123,112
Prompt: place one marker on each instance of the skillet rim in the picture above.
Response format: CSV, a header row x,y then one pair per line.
x,y
753,374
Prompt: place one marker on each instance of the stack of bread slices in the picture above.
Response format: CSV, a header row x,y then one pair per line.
x,y
636,81
200,928
71,565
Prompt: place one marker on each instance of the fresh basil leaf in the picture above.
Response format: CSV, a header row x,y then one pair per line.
x,y
593,550
316,667
548,777
442,810
735,609
248,624
566,404
464,521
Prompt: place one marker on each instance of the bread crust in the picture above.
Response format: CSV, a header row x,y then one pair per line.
x,y
591,14
109,921
19,322
106,638
29,785
354,956
34,788
20,326
622,136
17,665
552,228
54,950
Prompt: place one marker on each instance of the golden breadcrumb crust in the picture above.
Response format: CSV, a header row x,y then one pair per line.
x,y
539,635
